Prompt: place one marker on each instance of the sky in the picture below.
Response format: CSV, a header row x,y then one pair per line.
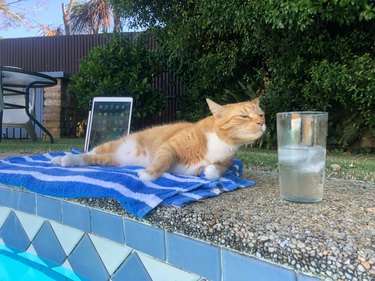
x,y
47,12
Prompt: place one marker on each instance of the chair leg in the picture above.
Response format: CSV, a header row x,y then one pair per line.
x,y
31,130
1,124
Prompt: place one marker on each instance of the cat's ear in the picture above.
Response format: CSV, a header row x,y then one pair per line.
x,y
255,101
216,109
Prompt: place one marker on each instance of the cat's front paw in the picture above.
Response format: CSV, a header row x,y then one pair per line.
x,y
145,176
56,160
212,173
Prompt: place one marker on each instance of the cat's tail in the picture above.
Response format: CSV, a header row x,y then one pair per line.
x,y
105,159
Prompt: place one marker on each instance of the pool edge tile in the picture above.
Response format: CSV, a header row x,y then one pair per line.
x,y
76,215
307,277
193,255
24,201
145,238
246,267
49,208
107,225
6,197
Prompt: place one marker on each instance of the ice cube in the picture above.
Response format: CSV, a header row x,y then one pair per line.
x,y
315,160
313,168
292,155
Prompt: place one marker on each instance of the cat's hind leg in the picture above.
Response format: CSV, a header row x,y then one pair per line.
x,y
107,159
68,160
163,161
103,154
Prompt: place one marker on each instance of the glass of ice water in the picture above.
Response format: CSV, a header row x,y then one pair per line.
x,y
301,148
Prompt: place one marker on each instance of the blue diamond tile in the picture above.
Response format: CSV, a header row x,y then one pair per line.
x,y
69,274
145,238
47,245
30,223
4,213
107,225
49,208
76,216
195,256
13,234
68,237
245,268
132,270
24,201
85,261
161,271
5,197
111,253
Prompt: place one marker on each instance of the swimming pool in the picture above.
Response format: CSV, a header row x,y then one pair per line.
x,y
76,241
101,246
24,266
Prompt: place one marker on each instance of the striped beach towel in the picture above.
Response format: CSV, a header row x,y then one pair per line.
x,y
37,174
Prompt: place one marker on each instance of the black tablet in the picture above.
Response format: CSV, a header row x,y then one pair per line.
x,y
109,119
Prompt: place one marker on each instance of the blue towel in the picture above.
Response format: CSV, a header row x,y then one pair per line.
x,y
37,174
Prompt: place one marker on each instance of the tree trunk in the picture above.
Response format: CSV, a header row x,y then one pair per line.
x,y
66,16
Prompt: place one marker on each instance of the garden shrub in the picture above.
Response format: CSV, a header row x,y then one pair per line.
x,y
298,55
347,91
123,67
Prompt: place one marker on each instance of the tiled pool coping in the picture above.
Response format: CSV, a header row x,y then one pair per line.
x,y
105,246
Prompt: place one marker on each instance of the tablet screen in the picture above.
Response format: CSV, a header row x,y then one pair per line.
x,y
109,119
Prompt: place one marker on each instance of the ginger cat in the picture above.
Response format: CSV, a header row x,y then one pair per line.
x,y
186,148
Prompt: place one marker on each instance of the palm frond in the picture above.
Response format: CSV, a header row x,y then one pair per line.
x,y
91,16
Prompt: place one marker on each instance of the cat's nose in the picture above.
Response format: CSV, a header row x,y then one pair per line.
x,y
260,121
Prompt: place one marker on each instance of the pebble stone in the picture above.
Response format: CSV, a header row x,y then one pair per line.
x,y
333,239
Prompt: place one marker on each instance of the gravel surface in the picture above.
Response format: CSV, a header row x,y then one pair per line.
x,y
333,239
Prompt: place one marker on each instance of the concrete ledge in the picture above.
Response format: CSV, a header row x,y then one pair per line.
x,y
252,233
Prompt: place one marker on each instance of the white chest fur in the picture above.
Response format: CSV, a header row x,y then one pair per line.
x,y
217,149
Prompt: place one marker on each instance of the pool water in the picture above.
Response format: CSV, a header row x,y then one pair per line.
x,y
25,266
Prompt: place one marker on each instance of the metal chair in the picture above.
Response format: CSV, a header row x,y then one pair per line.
x,y
1,107
17,117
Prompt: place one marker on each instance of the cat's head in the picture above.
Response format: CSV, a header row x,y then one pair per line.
x,y
238,123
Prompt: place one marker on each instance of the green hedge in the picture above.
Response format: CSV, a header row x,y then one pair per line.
x,y
123,67
298,55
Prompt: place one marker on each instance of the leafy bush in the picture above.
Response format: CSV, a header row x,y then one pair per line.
x,y
298,55
347,91
123,67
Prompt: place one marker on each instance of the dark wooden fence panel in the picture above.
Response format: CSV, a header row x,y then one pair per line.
x,y
63,53
56,53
